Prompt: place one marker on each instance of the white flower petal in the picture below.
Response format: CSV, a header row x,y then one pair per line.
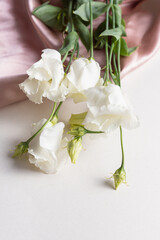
x,y
83,75
46,78
33,89
53,64
108,109
45,150
39,71
50,138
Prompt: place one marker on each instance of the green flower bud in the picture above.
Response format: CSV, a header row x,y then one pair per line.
x,y
54,119
119,177
77,131
74,147
21,148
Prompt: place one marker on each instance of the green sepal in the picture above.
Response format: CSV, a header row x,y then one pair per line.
x,y
50,15
20,149
77,130
69,43
97,9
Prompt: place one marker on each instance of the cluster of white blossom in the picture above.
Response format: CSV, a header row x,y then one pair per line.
x,y
108,107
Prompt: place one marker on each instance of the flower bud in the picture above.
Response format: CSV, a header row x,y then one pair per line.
x,y
119,177
74,147
77,131
21,148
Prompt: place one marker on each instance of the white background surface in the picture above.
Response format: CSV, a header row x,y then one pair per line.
x,y
78,203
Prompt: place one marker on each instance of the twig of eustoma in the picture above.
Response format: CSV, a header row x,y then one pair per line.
x,y
114,71
91,30
106,75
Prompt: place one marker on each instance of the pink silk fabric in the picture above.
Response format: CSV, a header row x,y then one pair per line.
x,y
23,36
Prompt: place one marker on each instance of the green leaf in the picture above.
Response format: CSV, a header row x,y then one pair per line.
x,y
77,119
83,32
125,51
100,41
80,2
69,43
124,48
101,28
50,15
97,9
123,27
131,50
115,32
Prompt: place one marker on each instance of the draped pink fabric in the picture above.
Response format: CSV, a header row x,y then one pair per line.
x,y
22,37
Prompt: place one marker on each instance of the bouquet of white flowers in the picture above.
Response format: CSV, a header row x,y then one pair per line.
x,y
82,80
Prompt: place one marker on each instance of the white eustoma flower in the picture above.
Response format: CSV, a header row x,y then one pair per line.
x,y
45,78
108,109
83,74
46,150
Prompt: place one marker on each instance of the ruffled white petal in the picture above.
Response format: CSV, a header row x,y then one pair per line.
x,y
109,109
38,71
34,89
46,78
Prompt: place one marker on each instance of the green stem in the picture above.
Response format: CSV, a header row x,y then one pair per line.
x,y
70,9
57,110
65,56
40,130
118,61
106,79
110,65
73,52
77,49
89,131
121,139
112,54
91,30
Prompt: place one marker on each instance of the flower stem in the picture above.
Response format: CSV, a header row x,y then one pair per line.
x,y
77,50
121,139
106,75
94,132
40,130
57,110
70,8
70,60
65,56
118,61
91,29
